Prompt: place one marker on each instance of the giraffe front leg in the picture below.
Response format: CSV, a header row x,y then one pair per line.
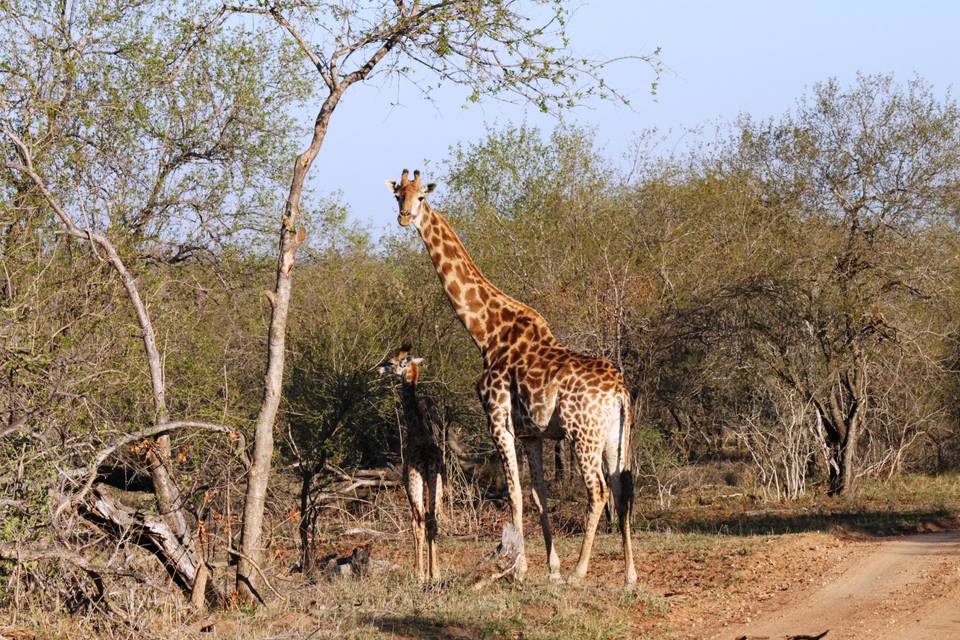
x,y
589,457
506,447
534,449
414,485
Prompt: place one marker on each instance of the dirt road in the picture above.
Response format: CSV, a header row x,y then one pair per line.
x,y
904,589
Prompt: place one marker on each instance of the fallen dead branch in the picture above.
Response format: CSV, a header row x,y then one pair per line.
x,y
90,470
21,554
362,479
153,533
501,563
363,531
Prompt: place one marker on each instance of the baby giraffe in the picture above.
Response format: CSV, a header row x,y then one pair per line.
x,y
423,467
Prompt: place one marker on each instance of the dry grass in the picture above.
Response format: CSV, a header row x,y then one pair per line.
x,y
708,562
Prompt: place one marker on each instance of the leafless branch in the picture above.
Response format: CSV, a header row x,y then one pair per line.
x,y
26,553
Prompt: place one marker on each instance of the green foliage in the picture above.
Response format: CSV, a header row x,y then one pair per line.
x,y
339,412
173,147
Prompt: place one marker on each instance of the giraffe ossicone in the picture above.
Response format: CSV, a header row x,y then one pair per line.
x,y
532,387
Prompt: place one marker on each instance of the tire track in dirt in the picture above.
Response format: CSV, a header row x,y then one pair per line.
x,y
906,588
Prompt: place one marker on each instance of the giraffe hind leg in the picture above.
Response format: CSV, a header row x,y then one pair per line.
x,y
534,449
589,457
435,495
620,481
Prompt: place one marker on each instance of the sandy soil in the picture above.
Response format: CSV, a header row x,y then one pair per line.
x,y
902,588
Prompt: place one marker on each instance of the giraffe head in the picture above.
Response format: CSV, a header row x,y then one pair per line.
x,y
411,196
403,365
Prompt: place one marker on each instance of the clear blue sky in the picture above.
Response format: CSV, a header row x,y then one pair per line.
x,y
722,59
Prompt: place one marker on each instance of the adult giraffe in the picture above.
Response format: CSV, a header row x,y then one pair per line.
x,y
532,387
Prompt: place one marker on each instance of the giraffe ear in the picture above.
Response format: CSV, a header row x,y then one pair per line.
x,y
431,186
392,185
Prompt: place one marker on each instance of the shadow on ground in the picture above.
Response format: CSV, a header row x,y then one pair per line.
x,y
856,522
423,627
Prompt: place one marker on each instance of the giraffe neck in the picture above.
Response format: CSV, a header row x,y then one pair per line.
x,y
418,429
408,397
481,306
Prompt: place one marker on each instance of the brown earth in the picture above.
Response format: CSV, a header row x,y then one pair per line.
x,y
693,587
907,587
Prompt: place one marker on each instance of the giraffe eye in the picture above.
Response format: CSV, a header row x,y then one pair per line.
x,y
422,198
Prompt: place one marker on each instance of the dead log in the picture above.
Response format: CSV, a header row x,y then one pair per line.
x,y
354,564
154,534
358,563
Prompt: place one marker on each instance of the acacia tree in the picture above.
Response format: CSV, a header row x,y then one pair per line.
x,y
492,48
864,171
142,147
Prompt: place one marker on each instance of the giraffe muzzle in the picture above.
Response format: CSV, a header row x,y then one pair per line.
x,y
404,219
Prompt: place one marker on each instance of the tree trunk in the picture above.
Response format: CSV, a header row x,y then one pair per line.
x,y
258,475
259,472
842,418
849,485
833,431
835,469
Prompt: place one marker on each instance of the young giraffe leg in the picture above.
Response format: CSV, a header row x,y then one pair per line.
x,y
434,497
588,455
534,448
414,484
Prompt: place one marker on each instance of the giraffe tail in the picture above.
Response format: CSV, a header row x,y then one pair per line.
x,y
626,472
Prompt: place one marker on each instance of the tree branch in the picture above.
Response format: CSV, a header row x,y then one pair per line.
x,y
91,469
274,12
20,554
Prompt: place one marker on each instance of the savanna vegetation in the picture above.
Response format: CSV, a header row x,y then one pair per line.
x,y
782,300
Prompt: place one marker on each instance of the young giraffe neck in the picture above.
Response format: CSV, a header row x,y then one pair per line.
x,y
481,306
417,429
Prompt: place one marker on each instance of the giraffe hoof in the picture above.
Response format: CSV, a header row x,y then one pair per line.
x,y
556,578
521,567
575,579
